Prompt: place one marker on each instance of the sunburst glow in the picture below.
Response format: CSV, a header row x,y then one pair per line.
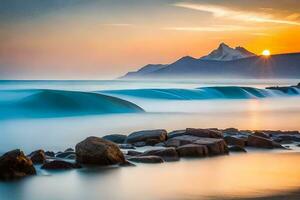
x,y
266,52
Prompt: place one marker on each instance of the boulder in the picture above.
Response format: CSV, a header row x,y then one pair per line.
x,y
60,164
236,148
38,157
192,150
230,140
152,142
98,151
116,138
261,134
215,146
50,153
231,131
14,164
181,140
260,142
146,159
142,136
168,154
207,133
176,133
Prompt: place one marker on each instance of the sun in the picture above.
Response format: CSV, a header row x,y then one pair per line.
x,y
266,52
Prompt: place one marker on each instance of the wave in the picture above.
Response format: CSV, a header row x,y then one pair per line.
x,y
52,103
224,92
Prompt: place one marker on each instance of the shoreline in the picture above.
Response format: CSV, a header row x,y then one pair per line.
x,y
159,146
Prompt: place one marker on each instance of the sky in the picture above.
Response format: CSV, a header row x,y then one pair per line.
x,y
95,39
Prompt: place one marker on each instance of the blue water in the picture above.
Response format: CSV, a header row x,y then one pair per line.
x,y
55,115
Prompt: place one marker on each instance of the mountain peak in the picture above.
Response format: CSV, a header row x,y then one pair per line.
x,y
226,53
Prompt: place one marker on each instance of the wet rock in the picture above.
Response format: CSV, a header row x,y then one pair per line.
x,y
69,150
230,140
168,154
215,146
207,133
65,154
14,164
50,153
192,150
260,142
126,146
181,140
116,138
127,164
261,134
236,149
176,133
38,157
134,153
60,164
231,131
142,136
98,151
139,144
146,159
161,144
152,142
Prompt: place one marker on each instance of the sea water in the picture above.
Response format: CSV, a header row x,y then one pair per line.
x,y
234,175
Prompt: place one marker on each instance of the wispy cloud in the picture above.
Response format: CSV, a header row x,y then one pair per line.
x,y
225,12
215,28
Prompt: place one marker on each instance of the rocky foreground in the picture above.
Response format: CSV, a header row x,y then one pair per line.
x,y
122,150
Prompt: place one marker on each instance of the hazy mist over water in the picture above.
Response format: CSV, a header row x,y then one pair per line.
x,y
224,176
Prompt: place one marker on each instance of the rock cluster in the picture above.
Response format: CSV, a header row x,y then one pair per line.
x,y
166,147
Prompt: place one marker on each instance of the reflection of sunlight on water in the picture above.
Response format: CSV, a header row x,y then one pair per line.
x,y
248,175
253,114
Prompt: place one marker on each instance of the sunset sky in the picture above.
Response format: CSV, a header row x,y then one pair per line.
x,y
95,39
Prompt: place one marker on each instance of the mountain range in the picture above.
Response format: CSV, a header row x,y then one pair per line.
x,y
223,62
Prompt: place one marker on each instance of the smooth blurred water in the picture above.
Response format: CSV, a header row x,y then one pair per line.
x,y
250,174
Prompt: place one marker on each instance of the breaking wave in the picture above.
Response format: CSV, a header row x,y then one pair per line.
x,y
225,92
53,103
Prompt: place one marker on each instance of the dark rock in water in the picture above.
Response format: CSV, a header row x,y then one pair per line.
x,y
147,159
287,138
260,142
142,136
152,142
71,157
230,140
207,133
60,164
65,154
38,157
231,131
50,153
14,164
126,146
161,144
139,144
116,138
168,154
261,134
215,146
192,150
181,140
134,153
98,151
236,149
69,150
127,164
176,133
